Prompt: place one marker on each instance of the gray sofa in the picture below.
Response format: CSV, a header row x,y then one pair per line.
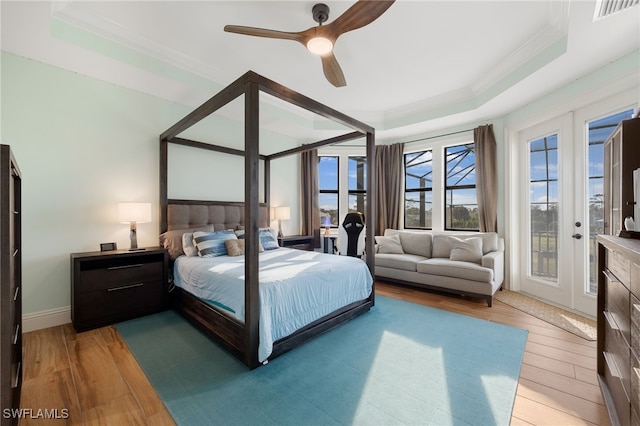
x,y
468,264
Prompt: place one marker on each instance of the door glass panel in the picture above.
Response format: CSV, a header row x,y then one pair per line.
x,y
543,208
599,131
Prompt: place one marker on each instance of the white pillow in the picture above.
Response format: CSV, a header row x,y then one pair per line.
x,y
188,246
466,249
389,245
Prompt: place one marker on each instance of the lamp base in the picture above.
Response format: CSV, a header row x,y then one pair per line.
x,y
134,239
280,234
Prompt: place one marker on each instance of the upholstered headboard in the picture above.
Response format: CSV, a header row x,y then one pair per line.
x,y
182,214
187,215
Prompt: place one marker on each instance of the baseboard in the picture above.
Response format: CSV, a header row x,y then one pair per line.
x,y
46,319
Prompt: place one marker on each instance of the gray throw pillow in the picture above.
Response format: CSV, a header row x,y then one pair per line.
x,y
389,245
466,249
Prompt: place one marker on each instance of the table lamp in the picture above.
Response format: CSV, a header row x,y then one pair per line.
x,y
134,213
282,213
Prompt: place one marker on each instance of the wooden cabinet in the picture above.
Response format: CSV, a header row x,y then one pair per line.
x,y
107,287
621,158
618,357
10,285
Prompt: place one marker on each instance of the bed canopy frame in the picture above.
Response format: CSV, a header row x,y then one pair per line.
x,y
242,340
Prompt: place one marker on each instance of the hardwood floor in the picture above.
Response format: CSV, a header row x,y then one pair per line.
x,y
95,377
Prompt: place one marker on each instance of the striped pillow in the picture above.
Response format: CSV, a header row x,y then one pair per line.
x,y
211,244
268,239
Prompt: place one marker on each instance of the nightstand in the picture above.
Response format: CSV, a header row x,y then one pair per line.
x,y
330,243
112,286
302,242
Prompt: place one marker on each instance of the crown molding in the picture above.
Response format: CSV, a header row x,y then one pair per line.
x,y
128,37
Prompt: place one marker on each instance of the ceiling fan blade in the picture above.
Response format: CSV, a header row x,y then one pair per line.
x,y
261,32
332,70
357,16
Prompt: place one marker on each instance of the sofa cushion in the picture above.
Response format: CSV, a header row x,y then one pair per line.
x,y
466,249
406,262
455,269
418,243
389,245
441,245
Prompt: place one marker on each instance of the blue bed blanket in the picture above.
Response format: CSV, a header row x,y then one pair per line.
x,y
296,287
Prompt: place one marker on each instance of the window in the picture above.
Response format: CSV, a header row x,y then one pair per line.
x,y
418,189
328,182
461,203
599,131
357,184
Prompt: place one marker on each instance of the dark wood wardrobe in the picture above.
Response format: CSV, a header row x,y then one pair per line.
x,y
10,286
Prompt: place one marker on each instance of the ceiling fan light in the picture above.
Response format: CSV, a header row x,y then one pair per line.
x,y
320,46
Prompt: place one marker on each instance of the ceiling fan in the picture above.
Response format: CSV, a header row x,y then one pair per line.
x,y
321,39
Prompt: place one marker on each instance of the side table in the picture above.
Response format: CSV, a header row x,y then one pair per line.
x,y
301,242
112,286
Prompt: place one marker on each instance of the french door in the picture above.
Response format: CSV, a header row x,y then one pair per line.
x,y
560,206
549,228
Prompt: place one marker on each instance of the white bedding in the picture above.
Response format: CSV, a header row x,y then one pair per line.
x,y
296,287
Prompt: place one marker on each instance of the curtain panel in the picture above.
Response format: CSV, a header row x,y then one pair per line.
x,y
486,177
390,188
310,196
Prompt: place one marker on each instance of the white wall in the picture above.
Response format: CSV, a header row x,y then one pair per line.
x,y
84,145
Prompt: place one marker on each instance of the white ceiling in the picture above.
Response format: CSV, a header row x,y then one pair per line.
x,y
423,65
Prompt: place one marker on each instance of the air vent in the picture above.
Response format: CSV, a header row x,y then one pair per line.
x,y
606,8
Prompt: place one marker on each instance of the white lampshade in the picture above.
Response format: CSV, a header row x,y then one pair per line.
x,y
320,46
134,212
282,213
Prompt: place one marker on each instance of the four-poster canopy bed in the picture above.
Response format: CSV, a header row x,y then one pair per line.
x,y
242,338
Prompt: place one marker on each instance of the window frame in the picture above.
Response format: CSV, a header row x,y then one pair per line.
x,y
363,175
330,191
447,188
420,190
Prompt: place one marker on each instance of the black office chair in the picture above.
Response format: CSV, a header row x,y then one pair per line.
x,y
351,235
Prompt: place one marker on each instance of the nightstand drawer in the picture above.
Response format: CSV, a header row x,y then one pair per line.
x,y
117,303
118,275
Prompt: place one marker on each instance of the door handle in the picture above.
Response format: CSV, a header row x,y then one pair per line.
x,y
577,236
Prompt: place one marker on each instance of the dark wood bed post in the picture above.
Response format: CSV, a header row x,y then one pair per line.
x,y
371,209
251,212
164,181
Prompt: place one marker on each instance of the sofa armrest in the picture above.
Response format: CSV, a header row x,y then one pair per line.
x,y
495,261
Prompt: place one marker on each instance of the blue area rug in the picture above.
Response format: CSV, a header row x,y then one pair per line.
x,y
400,363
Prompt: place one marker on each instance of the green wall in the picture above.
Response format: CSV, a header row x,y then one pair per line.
x,y
84,145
